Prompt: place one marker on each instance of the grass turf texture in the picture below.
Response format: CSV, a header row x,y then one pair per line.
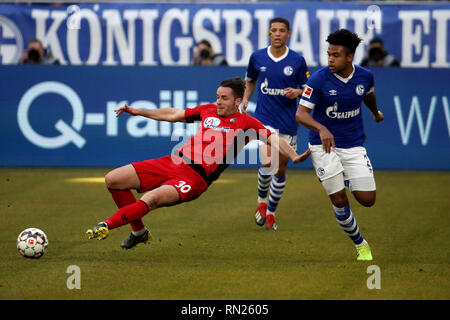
x,y
211,248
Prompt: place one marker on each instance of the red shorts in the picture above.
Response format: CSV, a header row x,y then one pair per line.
x,y
163,171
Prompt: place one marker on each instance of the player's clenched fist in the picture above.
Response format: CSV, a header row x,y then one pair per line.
x,y
378,116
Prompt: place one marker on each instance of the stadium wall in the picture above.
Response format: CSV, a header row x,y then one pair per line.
x,y
64,116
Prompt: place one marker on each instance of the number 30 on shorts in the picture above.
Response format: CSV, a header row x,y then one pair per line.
x,y
183,186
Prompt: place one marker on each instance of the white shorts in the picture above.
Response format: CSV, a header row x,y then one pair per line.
x,y
353,163
274,162
291,140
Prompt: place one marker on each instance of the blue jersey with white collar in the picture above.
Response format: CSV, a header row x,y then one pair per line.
x,y
336,103
273,76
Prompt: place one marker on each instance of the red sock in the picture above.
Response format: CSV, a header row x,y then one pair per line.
x,y
123,198
127,214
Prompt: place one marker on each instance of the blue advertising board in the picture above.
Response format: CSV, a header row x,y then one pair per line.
x,y
64,116
165,34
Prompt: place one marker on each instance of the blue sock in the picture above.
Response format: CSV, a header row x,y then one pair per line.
x,y
276,190
263,185
347,221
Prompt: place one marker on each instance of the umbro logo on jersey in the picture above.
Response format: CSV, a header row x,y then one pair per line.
x,y
332,92
263,69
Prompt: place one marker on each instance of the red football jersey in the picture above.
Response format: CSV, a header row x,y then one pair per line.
x,y
219,139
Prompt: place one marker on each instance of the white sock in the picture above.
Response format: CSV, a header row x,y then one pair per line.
x,y
140,232
263,200
361,244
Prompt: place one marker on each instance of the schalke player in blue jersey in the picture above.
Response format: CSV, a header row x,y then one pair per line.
x,y
337,134
279,74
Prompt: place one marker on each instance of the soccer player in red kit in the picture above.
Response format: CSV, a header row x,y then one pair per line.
x,y
184,176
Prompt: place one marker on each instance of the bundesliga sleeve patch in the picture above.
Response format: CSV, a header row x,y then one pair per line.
x,y
307,92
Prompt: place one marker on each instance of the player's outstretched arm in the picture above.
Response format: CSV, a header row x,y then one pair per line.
x,y
163,114
370,101
285,149
302,157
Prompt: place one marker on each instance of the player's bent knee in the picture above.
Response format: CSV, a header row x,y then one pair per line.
x,y
266,164
367,203
151,201
365,198
110,180
340,202
114,180
339,199
122,178
165,195
281,172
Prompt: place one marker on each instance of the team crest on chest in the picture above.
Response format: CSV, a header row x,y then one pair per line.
x,y
359,89
288,70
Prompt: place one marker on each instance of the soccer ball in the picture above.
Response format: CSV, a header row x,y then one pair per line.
x,y
32,243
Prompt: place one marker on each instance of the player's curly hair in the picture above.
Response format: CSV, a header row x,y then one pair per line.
x,y
345,38
237,85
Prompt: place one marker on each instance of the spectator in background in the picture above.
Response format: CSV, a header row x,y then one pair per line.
x,y
205,56
36,54
377,56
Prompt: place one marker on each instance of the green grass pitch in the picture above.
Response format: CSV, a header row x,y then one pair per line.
x,y
211,248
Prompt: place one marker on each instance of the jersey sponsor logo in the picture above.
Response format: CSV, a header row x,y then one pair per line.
x,y
307,92
334,114
270,91
214,123
359,89
288,70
